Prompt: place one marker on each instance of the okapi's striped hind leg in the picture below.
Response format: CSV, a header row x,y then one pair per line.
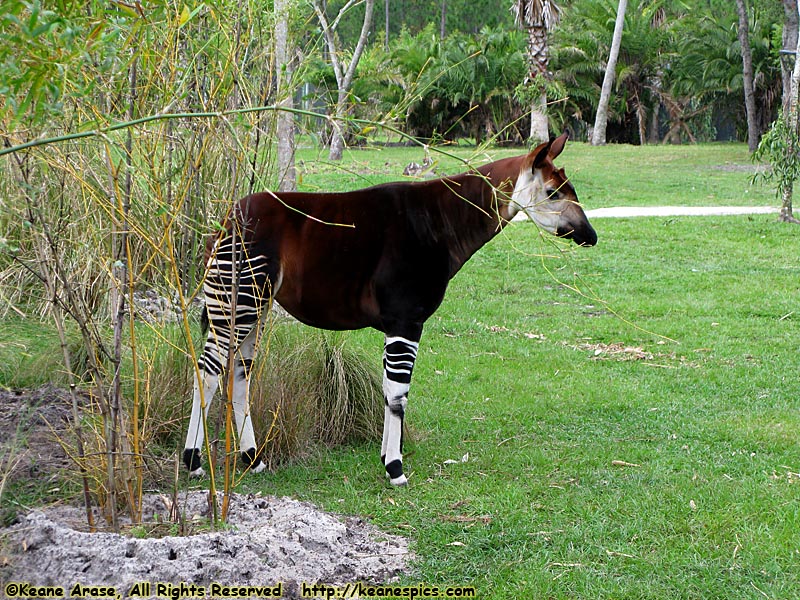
x,y
241,403
237,290
207,381
399,355
210,368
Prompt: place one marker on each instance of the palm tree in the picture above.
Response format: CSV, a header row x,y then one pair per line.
x,y
707,66
537,17
646,52
460,86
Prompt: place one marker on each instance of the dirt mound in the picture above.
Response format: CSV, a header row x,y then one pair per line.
x,y
29,420
268,541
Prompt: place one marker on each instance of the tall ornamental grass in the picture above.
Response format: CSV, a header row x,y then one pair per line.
x,y
161,117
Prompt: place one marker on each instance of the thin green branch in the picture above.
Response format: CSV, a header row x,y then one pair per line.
x,y
103,131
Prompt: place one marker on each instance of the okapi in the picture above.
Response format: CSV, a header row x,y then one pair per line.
x,y
379,257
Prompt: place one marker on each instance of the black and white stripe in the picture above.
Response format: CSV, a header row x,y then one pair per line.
x,y
398,364
237,289
399,355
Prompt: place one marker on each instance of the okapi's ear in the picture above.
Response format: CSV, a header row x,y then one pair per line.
x,y
557,145
540,155
549,150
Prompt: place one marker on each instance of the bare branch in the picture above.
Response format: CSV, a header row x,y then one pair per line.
x,y
362,43
330,41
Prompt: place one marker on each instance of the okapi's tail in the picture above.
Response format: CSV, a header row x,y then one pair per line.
x,y
209,249
204,322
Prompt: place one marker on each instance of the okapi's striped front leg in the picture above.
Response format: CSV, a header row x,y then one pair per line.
x,y
398,362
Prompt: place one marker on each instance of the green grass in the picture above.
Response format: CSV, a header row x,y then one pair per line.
x,y
613,175
509,373
712,510
678,354
30,354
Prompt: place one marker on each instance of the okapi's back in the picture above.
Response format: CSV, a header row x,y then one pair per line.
x,y
326,249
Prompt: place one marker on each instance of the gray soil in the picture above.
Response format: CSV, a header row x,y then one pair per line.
x,y
267,540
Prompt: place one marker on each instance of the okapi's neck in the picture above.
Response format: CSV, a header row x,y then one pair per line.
x,y
482,201
502,177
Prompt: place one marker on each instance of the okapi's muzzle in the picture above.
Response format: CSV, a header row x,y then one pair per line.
x,y
574,225
546,195
583,234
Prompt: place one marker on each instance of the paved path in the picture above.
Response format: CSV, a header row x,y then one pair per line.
x,y
671,211
679,211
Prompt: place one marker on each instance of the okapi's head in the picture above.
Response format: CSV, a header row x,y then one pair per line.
x,y
548,198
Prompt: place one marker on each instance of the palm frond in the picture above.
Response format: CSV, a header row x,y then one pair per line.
x,y
536,13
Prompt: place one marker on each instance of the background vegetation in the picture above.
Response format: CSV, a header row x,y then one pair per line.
x,y
88,221
596,423
88,69
679,76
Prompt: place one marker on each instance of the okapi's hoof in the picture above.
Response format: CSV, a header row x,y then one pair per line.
x,y
394,471
252,461
398,481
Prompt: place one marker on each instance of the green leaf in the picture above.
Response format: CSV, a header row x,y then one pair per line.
x,y
184,17
96,31
34,18
126,8
187,16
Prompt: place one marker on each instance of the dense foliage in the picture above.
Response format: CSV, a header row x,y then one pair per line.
x,y
679,76
86,67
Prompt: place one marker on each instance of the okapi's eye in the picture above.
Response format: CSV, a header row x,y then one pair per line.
x,y
551,192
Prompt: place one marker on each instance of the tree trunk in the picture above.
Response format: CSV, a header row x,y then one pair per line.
x,y
787,213
652,137
337,139
641,117
540,127
344,79
790,22
794,84
443,20
538,59
601,119
386,25
287,176
747,73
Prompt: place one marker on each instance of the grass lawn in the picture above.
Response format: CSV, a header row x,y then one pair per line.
x,y
624,419
613,175
678,354
548,391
